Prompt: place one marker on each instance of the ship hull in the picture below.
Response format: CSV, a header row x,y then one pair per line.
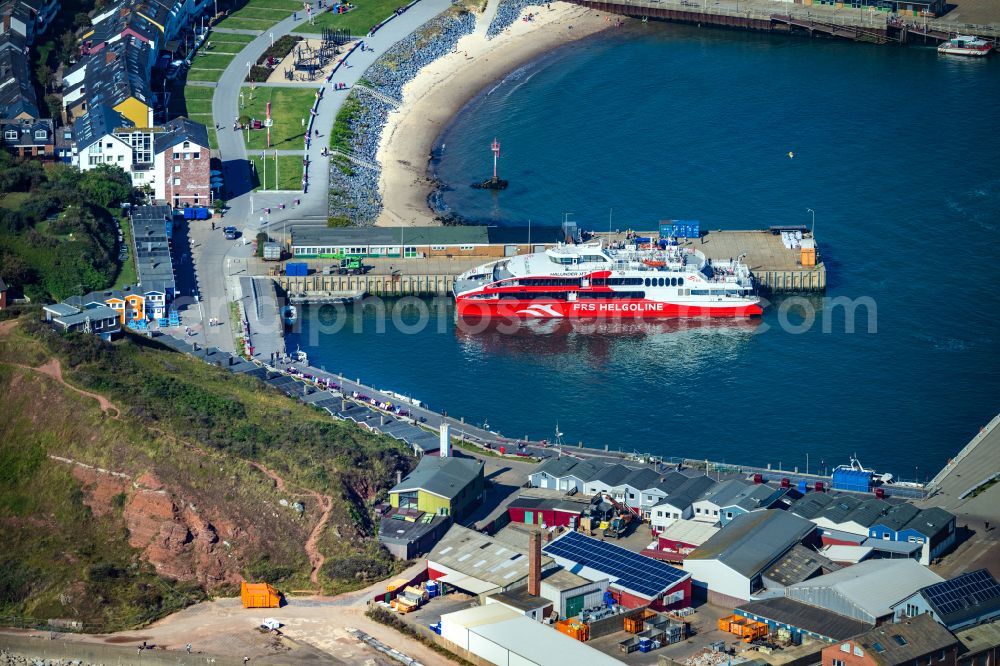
x,y
596,309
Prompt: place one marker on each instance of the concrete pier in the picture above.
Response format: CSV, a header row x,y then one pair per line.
x,y
776,269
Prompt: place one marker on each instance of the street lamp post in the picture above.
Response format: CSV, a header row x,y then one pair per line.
x,y
272,38
810,210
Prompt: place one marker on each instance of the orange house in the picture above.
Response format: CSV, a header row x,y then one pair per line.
x,y
135,307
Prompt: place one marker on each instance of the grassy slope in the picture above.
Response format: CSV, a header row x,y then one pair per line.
x,y
194,427
359,20
289,106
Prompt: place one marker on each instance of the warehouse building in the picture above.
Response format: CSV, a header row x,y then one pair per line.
x,y
867,591
963,601
478,564
555,589
505,637
681,537
408,533
446,486
802,620
549,512
678,504
460,241
730,566
634,580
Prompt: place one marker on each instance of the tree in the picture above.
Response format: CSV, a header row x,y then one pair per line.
x,y
261,240
81,20
67,45
54,104
44,74
106,185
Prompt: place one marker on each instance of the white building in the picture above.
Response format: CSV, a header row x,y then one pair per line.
x,y
678,504
707,507
732,563
505,637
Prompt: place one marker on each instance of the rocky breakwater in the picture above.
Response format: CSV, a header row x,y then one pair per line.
x,y
507,12
354,194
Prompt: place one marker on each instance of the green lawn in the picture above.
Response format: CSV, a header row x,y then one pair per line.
x,y
208,75
273,15
225,48
199,106
126,275
230,38
213,61
288,5
239,23
196,93
289,172
359,21
288,107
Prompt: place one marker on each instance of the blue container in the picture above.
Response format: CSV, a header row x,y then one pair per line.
x,y
432,589
852,479
803,487
642,239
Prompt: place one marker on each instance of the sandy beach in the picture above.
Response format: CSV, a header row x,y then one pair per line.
x,y
441,89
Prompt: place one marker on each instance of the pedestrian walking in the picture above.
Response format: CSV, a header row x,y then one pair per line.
x,y
246,659
188,648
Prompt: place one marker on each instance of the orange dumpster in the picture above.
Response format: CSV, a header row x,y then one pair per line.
x,y
259,595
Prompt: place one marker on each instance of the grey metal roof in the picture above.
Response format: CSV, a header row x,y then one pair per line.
x,y
445,477
99,121
755,497
309,236
671,482
965,599
557,467
723,493
929,522
179,130
642,479
17,93
689,491
613,474
867,590
61,309
153,261
898,516
91,314
118,72
407,525
753,541
799,564
809,618
904,642
894,547
480,556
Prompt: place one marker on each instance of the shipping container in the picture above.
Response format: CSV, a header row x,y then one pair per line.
x,y
272,252
803,487
845,478
574,629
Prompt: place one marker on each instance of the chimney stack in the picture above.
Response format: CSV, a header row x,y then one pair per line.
x,y
535,564
445,446
399,477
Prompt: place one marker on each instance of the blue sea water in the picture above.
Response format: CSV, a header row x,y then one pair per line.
x,y
896,149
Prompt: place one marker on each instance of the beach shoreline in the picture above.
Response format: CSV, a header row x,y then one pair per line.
x,y
443,88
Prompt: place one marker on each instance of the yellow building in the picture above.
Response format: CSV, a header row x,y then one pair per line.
x,y
443,486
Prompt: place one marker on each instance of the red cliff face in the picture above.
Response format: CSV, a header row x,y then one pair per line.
x,y
178,539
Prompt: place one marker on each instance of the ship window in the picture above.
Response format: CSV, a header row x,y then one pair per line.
x,y
680,282
673,282
661,282
647,282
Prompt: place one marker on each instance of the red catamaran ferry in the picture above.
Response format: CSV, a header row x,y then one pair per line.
x,y
589,280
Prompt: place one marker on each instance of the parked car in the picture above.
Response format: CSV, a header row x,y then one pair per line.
x,y
231,233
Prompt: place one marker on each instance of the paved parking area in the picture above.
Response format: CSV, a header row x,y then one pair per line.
x,y
704,624
432,611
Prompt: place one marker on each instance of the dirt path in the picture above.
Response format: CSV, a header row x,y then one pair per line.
x,y
325,502
53,369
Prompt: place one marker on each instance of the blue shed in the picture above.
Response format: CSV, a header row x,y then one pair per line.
x,y
845,478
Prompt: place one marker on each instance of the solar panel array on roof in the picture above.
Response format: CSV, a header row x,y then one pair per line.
x,y
642,574
960,593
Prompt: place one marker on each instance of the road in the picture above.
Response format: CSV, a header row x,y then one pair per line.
x,y
215,261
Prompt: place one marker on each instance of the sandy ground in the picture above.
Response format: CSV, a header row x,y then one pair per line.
x,y
442,88
288,63
223,627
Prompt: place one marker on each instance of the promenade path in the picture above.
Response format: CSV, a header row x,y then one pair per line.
x,y
217,262
978,515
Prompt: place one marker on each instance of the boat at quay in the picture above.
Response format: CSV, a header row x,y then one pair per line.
x,y
966,46
643,280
